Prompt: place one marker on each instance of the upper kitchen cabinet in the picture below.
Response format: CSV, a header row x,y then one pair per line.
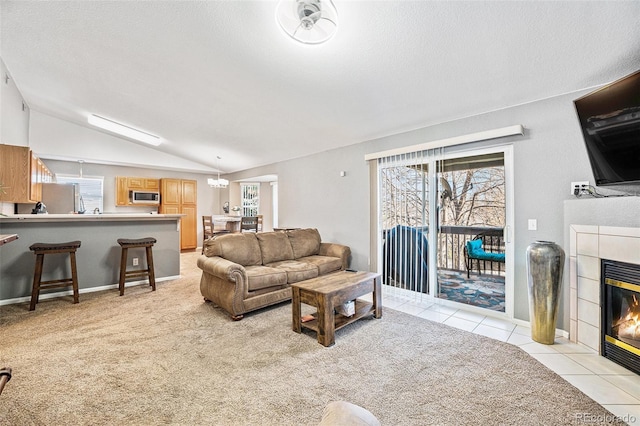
x,y
143,183
21,175
125,184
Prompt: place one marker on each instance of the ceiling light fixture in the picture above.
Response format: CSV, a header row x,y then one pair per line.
x,y
308,21
218,183
121,129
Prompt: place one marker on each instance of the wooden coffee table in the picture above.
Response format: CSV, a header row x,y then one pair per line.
x,y
327,292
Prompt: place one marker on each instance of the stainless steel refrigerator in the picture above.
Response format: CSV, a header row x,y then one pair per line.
x,y
61,198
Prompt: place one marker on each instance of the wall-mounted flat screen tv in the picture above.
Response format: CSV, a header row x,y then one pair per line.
x,y
610,121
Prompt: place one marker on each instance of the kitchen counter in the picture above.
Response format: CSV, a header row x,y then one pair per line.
x,y
98,258
87,217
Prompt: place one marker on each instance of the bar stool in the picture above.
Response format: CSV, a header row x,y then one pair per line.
x,y
40,249
126,244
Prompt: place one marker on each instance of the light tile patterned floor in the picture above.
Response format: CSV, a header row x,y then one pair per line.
x,y
612,386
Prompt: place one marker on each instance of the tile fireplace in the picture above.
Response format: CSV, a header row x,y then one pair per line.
x,y
589,247
620,307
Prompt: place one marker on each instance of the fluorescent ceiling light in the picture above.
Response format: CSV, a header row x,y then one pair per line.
x,y
121,129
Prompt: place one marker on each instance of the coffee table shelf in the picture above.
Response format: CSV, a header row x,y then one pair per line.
x,y
362,310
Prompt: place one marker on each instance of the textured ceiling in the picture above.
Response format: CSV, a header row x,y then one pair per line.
x,y
220,78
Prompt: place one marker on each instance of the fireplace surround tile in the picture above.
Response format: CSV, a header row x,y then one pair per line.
x,y
613,243
573,326
621,232
589,335
620,248
589,290
587,244
586,229
588,267
573,300
573,274
589,312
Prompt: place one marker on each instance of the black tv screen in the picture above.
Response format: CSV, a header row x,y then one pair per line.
x,y
610,121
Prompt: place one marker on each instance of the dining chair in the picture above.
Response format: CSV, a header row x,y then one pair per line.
x,y
249,224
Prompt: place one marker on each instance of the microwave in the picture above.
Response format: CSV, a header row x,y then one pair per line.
x,y
144,197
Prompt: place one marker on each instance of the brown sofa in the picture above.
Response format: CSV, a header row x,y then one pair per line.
x,y
243,272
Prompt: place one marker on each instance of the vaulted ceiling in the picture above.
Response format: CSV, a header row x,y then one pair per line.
x,y
220,78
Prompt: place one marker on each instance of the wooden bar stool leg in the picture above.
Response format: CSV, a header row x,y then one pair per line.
x,y
37,276
123,268
74,277
150,269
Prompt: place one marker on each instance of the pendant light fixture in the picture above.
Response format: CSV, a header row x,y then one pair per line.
x,y
218,183
308,21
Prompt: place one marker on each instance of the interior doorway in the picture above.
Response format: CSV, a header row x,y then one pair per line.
x,y
261,200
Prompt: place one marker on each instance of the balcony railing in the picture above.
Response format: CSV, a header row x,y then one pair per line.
x,y
407,263
452,240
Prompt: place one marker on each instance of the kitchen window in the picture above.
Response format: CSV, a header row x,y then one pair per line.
x,y
91,191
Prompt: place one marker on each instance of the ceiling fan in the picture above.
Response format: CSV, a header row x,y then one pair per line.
x,y
308,21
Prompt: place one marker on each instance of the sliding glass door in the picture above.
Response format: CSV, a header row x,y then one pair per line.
x,y
443,217
471,222
404,217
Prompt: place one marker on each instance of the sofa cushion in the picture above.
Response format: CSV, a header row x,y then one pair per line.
x,y
325,264
475,251
296,271
304,242
275,246
474,247
241,248
259,277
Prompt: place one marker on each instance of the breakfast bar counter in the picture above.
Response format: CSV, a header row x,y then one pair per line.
x,y
103,217
98,258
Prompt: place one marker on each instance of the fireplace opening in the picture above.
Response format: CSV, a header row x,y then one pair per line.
x,y
620,291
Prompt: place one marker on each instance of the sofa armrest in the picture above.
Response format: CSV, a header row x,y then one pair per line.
x,y
336,250
221,268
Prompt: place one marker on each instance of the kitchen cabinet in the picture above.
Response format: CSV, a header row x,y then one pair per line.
x,y
143,183
124,184
21,175
179,196
170,193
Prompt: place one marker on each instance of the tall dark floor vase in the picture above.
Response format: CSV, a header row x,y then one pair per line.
x,y
545,264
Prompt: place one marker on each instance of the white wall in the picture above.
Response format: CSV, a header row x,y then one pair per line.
x,y
14,113
547,159
51,137
14,118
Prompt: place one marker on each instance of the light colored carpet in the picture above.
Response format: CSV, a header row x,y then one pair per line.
x,y
166,357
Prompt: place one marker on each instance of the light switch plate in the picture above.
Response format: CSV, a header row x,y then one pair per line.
x,y
533,225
